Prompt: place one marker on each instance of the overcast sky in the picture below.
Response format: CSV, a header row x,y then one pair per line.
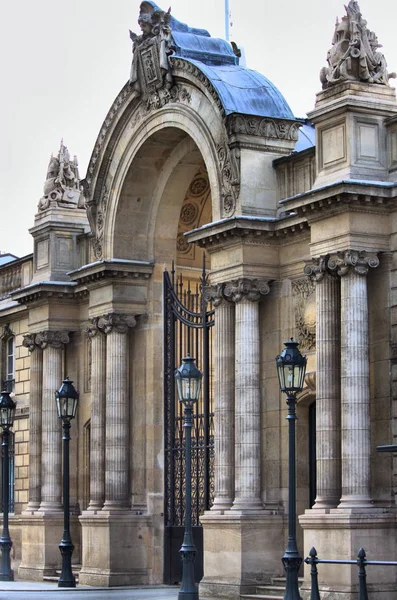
x,y
62,65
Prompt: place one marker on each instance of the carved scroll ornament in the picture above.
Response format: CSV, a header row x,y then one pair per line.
x,y
360,261
244,288
116,322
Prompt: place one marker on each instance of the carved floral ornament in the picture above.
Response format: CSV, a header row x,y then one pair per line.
x,y
236,291
263,127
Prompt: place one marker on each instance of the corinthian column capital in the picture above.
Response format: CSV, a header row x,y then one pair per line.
x,y
359,261
54,339
92,328
250,289
316,268
116,322
29,341
214,294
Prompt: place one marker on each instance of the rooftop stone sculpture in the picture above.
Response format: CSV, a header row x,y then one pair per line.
x,y
62,186
354,55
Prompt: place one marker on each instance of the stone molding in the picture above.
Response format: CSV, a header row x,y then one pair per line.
x,y
360,261
244,288
116,322
54,339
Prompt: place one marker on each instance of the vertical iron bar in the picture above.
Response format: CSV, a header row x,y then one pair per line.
x,y
362,575
312,560
188,590
6,573
291,559
66,547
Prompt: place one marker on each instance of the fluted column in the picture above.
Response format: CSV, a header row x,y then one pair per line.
x,y
116,327
328,406
52,344
224,357
353,267
98,414
35,410
246,294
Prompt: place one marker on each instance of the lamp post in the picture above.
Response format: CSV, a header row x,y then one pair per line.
x,y
7,414
66,400
188,380
291,368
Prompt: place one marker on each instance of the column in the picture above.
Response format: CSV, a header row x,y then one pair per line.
x,y
352,266
224,358
52,343
328,450
98,413
35,410
246,294
116,327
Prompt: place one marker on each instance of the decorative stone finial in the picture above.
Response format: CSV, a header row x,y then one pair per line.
x,y
62,186
150,69
354,55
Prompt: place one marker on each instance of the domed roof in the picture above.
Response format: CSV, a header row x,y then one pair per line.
x,y
240,90
245,91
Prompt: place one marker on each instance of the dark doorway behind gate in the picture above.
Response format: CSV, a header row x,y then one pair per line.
x,y
188,323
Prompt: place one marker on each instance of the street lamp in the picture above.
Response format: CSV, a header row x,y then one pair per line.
x,y
188,381
291,368
7,414
66,400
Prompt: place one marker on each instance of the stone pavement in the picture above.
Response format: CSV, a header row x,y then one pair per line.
x,y
39,590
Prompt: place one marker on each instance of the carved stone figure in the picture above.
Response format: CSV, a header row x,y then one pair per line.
x,y
150,69
62,186
354,55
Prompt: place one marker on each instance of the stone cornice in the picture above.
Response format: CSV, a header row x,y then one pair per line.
x,y
112,269
259,230
365,195
44,290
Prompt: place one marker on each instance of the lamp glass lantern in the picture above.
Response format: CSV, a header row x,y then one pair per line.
x,y
67,398
7,410
188,380
291,368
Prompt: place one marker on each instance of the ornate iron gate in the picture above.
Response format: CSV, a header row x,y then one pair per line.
x,y
187,330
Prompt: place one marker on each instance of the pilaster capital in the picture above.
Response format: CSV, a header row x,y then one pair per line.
x,y
53,339
29,341
92,327
214,294
244,288
316,268
116,322
360,261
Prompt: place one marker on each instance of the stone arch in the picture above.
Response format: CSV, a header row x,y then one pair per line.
x,y
179,129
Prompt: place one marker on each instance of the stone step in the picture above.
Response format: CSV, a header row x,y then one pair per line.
x,y
259,597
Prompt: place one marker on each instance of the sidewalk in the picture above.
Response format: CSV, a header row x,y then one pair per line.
x,y
18,588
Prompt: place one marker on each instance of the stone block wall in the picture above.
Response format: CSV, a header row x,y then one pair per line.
x,y
21,453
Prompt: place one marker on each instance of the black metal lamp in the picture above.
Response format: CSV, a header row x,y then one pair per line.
x,y
7,415
291,369
67,398
188,380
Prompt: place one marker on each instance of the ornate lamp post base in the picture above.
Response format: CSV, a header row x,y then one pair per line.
x,y
66,579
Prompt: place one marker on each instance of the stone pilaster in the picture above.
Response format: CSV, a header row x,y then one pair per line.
x,y
116,327
98,414
35,411
52,343
328,458
353,267
224,360
245,293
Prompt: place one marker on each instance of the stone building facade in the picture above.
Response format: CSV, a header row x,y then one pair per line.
x,y
201,157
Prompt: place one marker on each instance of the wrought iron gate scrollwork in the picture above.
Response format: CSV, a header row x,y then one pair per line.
x,y
187,330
